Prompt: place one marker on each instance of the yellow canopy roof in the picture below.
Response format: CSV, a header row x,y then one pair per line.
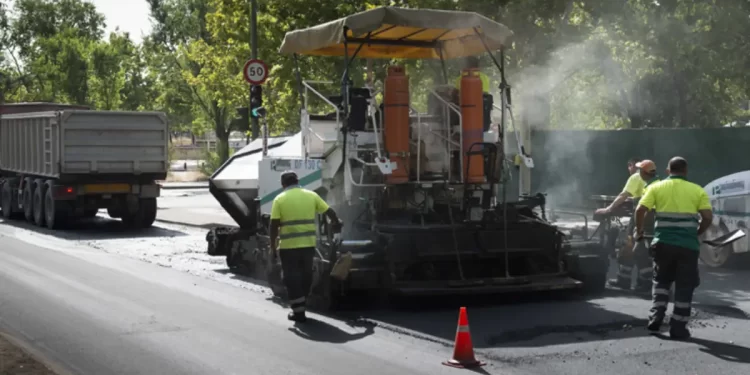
x,y
390,32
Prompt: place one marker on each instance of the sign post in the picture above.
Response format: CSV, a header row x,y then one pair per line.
x,y
255,72
253,55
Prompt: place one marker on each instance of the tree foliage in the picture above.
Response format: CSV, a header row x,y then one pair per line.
x,y
585,64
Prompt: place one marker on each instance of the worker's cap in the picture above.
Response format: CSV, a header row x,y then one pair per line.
x,y
647,166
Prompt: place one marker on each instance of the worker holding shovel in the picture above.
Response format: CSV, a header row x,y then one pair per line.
x,y
293,222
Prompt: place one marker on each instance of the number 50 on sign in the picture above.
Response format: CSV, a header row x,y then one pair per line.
x,y
255,72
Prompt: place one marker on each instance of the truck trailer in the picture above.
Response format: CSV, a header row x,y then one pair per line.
x,y
59,163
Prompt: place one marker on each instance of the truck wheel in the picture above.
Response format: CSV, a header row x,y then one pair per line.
x,y
8,202
28,200
595,283
144,217
38,203
148,212
54,215
592,271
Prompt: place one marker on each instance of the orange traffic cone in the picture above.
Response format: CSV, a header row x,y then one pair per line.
x,y
463,350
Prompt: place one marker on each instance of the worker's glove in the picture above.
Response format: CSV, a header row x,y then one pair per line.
x,y
638,236
336,226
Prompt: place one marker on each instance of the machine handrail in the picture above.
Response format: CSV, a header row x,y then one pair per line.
x,y
348,166
461,133
419,140
579,214
313,132
375,129
308,129
308,87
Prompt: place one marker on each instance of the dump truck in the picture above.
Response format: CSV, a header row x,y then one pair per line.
x,y
421,193
62,162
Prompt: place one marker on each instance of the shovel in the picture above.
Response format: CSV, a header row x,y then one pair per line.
x,y
340,270
342,266
726,239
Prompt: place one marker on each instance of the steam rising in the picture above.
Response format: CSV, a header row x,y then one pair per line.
x,y
545,97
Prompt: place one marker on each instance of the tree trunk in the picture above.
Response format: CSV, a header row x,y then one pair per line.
x,y
222,146
222,133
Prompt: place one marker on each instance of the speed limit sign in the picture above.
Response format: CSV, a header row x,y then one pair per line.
x,y
255,71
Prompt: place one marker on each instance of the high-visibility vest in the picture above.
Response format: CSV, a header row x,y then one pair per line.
x,y
485,83
296,208
677,203
648,221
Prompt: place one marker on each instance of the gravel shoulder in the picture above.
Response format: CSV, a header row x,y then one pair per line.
x,y
15,361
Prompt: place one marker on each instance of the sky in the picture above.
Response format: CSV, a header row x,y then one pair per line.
x,y
129,15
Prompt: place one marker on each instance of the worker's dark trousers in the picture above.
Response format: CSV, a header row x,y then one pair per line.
x,y
679,265
296,267
641,259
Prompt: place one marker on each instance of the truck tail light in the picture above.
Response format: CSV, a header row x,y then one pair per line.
x,y
64,192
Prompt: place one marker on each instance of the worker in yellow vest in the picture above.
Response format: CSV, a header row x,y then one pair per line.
x,y
293,222
637,255
472,62
678,204
633,188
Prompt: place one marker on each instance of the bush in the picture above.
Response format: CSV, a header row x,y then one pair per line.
x,y
171,152
212,162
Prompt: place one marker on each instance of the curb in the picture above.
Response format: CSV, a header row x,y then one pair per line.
x,y
208,226
184,187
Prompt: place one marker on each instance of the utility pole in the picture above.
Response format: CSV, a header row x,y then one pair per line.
x,y
2,93
254,48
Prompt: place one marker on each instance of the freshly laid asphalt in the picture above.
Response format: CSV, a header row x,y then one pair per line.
x,y
95,313
98,300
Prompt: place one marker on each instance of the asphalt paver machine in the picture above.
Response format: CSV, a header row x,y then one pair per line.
x,y
422,194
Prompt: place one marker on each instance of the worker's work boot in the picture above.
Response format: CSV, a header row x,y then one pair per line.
x,y
678,331
654,323
643,287
620,283
297,317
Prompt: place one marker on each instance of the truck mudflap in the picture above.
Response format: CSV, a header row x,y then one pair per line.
x,y
489,286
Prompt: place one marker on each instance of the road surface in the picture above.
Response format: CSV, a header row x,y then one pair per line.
x,y
185,165
195,207
96,313
100,300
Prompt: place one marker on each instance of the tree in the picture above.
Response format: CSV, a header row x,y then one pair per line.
x,y
44,19
182,33
107,78
588,64
52,38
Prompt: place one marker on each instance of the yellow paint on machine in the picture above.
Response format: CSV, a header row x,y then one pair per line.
x,y
106,188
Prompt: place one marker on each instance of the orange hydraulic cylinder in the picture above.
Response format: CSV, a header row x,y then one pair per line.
x,y
396,123
472,121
